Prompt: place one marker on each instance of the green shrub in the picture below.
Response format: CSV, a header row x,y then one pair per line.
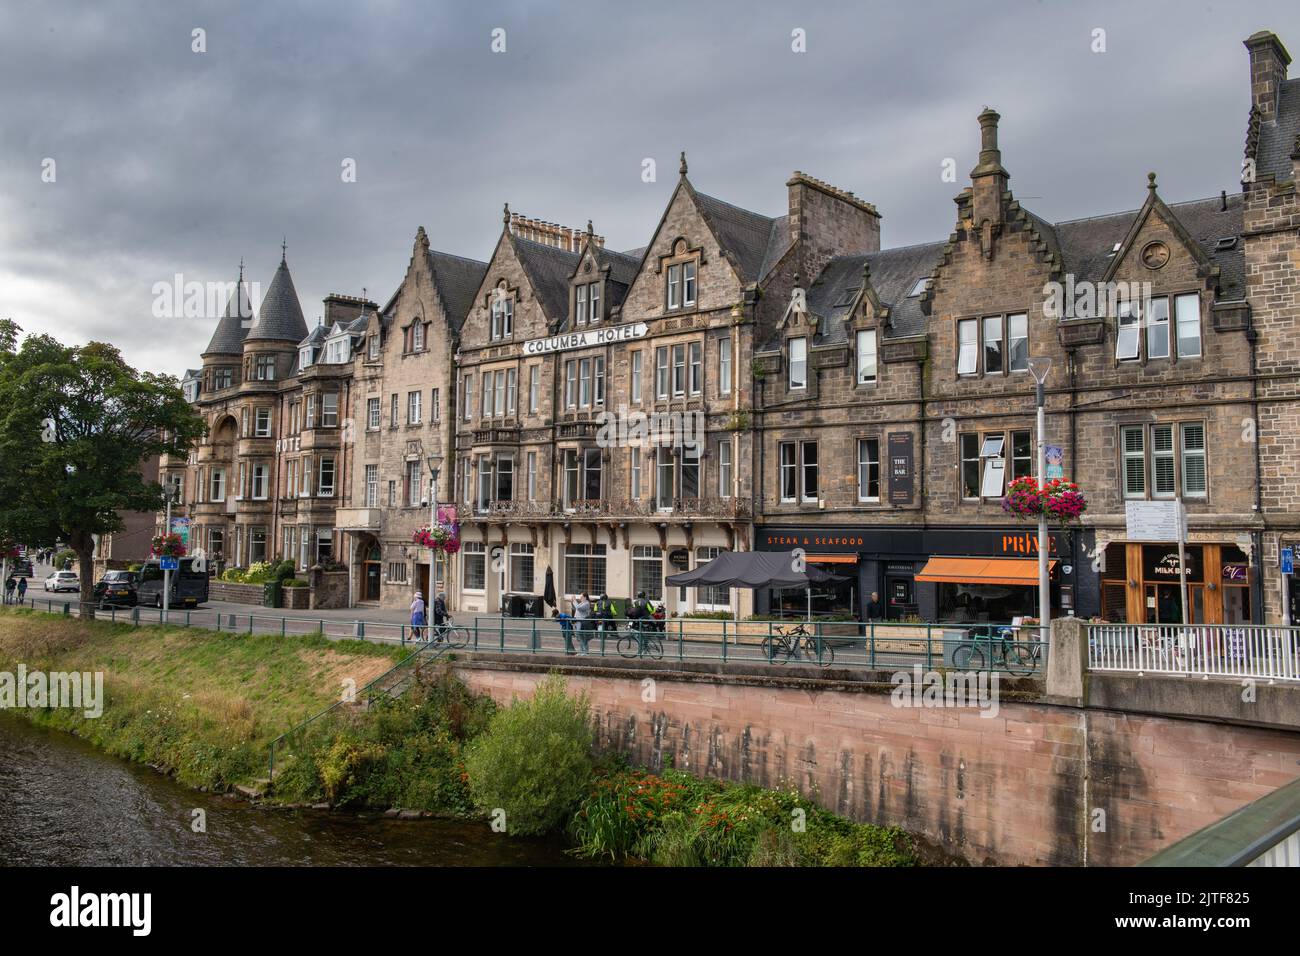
x,y
259,572
283,571
63,557
293,583
534,760
709,616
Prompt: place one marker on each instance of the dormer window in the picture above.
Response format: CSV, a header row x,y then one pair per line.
x,y
304,358
588,303
799,363
918,287
372,348
336,351
681,285
503,313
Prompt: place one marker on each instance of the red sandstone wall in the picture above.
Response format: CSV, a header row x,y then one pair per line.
x,y
1018,788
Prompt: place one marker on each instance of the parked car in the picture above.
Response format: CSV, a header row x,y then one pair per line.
x,y
63,581
189,587
117,589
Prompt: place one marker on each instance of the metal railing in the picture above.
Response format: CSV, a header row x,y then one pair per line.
x,y
984,647
1017,651
1263,833
250,622
390,683
1196,650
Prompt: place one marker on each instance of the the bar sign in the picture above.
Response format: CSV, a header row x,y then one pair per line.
x,y
900,468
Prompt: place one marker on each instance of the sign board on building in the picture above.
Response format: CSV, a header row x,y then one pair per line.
x,y
609,335
1155,520
900,468
1286,560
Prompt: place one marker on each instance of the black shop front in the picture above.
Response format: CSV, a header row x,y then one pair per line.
x,y
960,574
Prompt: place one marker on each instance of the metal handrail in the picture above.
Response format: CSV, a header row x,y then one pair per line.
x,y
434,649
1265,832
1197,650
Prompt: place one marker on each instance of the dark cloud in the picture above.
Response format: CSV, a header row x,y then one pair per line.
x,y
171,162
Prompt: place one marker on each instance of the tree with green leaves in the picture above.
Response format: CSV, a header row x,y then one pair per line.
x,y
76,425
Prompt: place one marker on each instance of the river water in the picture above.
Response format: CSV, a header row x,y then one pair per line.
x,y
64,803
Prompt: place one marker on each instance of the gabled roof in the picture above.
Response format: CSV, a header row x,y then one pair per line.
x,y
280,317
228,337
548,269
457,280
753,241
1087,244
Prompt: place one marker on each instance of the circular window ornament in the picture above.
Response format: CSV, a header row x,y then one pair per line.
x,y
1155,255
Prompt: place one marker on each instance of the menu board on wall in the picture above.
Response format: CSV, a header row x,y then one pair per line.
x,y
900,468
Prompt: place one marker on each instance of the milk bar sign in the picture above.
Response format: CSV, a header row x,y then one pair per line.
x,y
610,335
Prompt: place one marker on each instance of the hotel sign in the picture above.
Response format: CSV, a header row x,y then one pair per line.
x,y
609,335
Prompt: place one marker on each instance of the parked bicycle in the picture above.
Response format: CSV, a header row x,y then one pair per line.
x,y
643,639
785,644
998,646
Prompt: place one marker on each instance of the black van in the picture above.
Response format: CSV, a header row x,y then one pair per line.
x,y
189,587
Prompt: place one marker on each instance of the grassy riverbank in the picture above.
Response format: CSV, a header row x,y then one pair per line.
x,y
206,705
196,703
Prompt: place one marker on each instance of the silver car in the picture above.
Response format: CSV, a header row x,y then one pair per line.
x,y
63,581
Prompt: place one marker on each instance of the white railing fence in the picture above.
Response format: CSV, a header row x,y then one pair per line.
x,y
1196,650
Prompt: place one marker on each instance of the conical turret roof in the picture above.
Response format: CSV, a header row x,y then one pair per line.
x,y
228,338
280,317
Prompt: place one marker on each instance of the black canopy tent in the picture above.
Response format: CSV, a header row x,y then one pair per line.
x,y
756,569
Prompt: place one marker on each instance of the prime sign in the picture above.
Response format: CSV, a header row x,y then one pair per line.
x,y
609,335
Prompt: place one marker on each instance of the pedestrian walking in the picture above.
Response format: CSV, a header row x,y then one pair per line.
x,y
440,617
9,590
582,617
417,617
22,590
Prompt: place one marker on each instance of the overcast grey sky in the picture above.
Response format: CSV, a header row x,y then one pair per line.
x,y
169,161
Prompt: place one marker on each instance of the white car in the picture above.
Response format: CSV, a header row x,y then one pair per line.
x,y
63,581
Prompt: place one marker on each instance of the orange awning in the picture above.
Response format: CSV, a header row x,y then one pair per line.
x,y
831,558
1022,571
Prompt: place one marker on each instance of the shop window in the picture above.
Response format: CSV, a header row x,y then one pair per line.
x,y
716,598
474,565
521,568
648,571
584,569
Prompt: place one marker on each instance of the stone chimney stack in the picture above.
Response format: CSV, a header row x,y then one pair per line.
x,y
1268,66
826,221
549,233
988,179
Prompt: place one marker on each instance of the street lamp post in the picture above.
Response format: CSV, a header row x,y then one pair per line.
x,y
1040,367
434,461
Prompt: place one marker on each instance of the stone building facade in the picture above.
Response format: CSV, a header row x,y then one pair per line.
x,y
751,381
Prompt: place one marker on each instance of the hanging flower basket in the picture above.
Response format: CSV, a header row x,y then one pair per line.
x,y
168,546
1059,499
443,536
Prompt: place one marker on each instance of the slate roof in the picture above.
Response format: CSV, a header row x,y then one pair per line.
x,y
280,317
893,274
1278,138
457,280
228,337
549,269
755,241
315,337
1086,244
